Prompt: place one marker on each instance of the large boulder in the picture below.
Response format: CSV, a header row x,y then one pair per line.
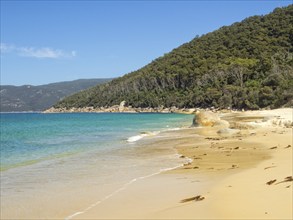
x,y
205,118
208,119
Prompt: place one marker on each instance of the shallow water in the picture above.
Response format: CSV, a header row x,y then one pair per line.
x,y
55,165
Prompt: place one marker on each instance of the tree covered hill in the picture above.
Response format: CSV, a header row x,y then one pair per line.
x,y
245,65
38,98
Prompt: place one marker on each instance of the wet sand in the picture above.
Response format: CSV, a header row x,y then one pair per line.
x,y
244,172
237,175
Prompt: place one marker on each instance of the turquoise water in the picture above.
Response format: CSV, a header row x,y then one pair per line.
x,y
59,165
29,138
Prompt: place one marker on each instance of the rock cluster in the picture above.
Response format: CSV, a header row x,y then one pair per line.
x,y
120,108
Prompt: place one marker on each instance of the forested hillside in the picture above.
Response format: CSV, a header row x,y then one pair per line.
x,y
38,98
245,65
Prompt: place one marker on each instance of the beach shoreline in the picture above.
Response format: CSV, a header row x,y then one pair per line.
x,y
251,169
242,175
237,166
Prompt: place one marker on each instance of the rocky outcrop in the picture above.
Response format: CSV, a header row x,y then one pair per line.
x,y
208,119
121,108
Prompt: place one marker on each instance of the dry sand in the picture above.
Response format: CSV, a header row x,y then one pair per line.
x,y
240,173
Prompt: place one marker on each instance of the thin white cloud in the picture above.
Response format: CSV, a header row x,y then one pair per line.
x,y
44,52
6,48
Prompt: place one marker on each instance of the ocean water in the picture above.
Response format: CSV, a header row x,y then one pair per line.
x,y
45,157
32,137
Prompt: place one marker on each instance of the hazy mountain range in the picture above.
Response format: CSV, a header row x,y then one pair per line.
x,y
38,98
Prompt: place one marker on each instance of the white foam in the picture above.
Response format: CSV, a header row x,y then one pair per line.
x,y
145,134
174,129
138,137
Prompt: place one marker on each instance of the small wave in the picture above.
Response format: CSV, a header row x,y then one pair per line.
x,y
147,133
136,138
142,135
174,129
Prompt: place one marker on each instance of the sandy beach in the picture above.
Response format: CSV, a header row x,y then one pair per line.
x,y
240,167
241,172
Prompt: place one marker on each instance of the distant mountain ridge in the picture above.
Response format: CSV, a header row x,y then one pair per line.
x,y
245,65
39,98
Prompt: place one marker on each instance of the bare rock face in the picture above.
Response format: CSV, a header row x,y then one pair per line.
x,y
206,118
121,106
209,119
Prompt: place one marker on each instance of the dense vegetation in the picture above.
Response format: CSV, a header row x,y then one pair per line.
x,y
245,65
38,98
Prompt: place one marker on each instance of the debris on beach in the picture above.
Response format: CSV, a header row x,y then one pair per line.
x,y
271,182
286,179
188,163
195,198
197,158
274,147
269,167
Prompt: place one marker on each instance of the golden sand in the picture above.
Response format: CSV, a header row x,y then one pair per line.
x,y
235,175
240,172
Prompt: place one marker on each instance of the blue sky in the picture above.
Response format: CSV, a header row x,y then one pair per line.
x,y
51,41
